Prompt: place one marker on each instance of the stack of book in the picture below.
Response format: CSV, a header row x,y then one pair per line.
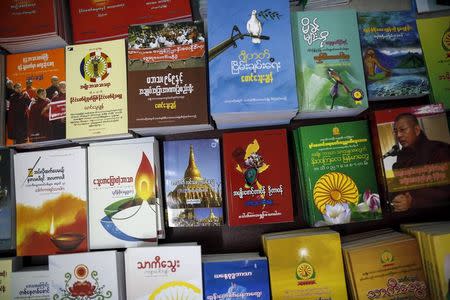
x,y
304,263
7,201
34,25
385,262
251,65
106,20
125,191
337,174
235,276
434,245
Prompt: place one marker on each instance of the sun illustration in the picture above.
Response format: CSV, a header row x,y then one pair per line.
x,y
179,290
333,188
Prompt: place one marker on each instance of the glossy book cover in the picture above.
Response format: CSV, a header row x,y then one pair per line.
x,y
192,175
124,189
31,285
51,203
329,70
251,63
257,176
236,279
167,75
392,55
338,173
7,205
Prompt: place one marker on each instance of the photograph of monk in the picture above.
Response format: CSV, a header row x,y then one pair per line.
x,y
416,160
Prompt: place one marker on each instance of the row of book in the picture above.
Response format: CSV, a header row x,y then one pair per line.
x,y
300,264
111,194
159,86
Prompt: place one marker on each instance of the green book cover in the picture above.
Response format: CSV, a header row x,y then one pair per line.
x,y
435,37
338,173
329,69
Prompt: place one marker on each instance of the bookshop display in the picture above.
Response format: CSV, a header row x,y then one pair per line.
x,y
246,149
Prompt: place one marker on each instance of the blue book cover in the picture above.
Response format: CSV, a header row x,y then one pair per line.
x,y
193,185
237,279
7,224
251,64
393,61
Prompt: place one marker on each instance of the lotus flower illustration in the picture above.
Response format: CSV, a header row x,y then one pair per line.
x,y
334,188
337,214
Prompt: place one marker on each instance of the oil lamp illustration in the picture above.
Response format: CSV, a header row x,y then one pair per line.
x,y
68,241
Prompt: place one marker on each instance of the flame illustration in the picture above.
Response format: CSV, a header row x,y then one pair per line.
x,y
52,226
145,180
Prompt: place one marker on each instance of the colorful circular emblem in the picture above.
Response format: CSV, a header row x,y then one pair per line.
x,y
305,271
357,94
81,272
386,257
95,66
446,40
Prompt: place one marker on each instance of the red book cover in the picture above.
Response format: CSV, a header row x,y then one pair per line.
x,y
26,18
257,176
95,20
413,147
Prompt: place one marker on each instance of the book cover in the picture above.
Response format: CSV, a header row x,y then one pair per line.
x,y
167,75
36,96
97,95
92,275
164,272
441,246
51,208
251,63
298,269
6,266
257,177
329,70
236,279
338,173
193,183
125,192
398,270
31,284
7,204
435,37
393,60
413,144
22,19
106,20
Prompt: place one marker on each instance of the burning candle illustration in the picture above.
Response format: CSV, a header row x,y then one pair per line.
x,y
68,241
137,216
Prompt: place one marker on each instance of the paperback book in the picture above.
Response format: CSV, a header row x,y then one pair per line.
x,y
167,78
235,276
413,144
297,266
328,64
31,283
257,177
97,95
435,37
6,267
337,174
193,183
164,272
393,60
51,206
125,194
7,201
251,64
107,20
36,98
91,275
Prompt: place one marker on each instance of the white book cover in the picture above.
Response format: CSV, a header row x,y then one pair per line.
x,y
51,207
164,272
124,193
31,285
90,275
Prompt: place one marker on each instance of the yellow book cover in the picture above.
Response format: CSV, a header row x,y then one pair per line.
x,y
441,247
97,93
392,270
5,279
298,269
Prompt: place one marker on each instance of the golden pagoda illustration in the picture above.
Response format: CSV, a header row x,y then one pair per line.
x,y
194,191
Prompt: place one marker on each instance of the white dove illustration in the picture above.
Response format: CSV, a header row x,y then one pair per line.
x,y
254,27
